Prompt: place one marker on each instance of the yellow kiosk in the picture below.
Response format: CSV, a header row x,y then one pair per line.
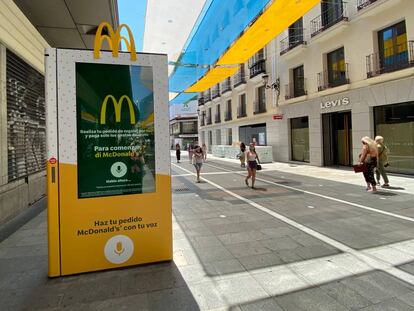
x,y
109,183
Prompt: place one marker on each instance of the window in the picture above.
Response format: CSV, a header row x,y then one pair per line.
x,y
396,124
218,115
228,111
336,67
176,128
260,104
332,12
296,33
208,116
210,140
393,47
300,139
241,111
298,81
257,63
189,127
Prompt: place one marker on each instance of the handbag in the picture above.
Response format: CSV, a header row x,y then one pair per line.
x,y
360,168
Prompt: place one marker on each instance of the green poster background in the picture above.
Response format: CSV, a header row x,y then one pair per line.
x,y
115,156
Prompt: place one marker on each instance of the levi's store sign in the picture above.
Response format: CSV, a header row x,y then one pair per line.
x,y
108,177
335,103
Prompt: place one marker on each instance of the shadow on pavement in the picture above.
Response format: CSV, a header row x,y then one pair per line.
x,y
149,287
371,291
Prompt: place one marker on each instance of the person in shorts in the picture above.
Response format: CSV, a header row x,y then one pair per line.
x,y
198,160
252,161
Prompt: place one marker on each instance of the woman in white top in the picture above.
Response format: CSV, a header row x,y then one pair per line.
x,y
252,159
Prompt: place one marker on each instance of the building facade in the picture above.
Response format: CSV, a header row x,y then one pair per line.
x,y
183,124
343,71
22,112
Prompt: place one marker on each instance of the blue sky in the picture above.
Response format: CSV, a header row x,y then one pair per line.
x,y
132,13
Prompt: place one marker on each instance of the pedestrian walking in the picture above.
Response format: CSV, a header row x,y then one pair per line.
x,y
252,164
178,152
382,162
204,149
368,158
242,155
190,152
197,160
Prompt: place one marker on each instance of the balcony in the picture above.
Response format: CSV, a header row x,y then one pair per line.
x,y
259,107
391,59
226,86
296,89
241,111
207,96
215,91
362,4
208,120
288,43
328,18
257,68
239,77
332,78
228,115
201,100
217,118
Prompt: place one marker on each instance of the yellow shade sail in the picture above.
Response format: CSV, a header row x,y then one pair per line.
x,y
277,17
212,77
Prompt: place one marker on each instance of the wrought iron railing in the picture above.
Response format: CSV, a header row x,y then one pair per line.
x,y
364,3
241,111
215,91
259,106
296,89
201,100
258,68
239,78
391,59
207,96
332,78
290,43
226,86
328,18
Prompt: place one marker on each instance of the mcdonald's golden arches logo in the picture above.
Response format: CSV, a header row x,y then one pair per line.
x,y
118,109
114,39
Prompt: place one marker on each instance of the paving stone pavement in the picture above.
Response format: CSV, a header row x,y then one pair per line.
x,y
282,247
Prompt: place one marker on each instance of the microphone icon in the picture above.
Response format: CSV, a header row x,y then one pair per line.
x,y
119,249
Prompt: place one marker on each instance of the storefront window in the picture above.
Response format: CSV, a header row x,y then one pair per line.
x,y
218,137
396,124
229,136
300,139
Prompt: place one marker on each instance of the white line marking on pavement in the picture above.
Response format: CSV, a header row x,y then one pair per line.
x,y
328,198
374,262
